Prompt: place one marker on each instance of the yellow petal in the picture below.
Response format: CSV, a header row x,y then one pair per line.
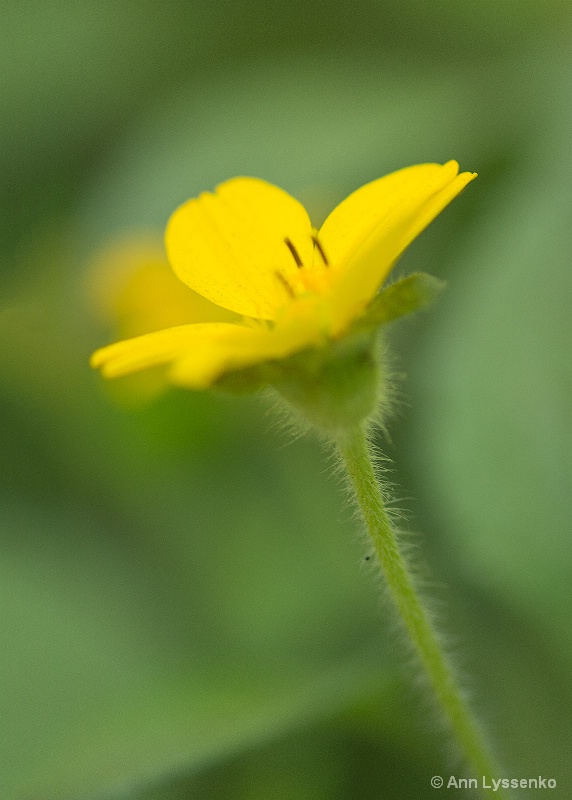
x,y
197,355
231,246
165,346
369,230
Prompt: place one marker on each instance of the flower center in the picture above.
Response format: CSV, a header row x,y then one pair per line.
x,y
311,278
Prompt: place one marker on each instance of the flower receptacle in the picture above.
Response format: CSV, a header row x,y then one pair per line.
x,y
336,387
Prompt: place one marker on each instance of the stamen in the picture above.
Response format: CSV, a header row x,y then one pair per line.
x,y
295,254
320,250
289,290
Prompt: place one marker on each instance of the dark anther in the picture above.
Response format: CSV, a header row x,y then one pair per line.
x,y
320,250
295,254
285,284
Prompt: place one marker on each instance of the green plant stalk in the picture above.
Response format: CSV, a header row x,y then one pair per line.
x,y
356,456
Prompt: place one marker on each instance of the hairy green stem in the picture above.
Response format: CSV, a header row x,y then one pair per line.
x,y
356,455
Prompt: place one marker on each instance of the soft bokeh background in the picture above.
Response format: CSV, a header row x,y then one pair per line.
x,y
184,610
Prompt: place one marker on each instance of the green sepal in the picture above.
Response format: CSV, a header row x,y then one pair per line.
x,y
332,387
403,297
335,387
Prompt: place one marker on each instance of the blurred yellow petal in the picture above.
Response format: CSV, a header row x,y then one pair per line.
x,y
134,288
240,245
154,298
373,226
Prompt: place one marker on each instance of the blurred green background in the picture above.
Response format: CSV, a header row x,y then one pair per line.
x,y
184,611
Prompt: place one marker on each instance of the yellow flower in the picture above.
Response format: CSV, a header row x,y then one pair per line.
x,y
250,248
